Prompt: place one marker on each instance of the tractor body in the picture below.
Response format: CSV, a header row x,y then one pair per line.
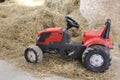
x,y
93,50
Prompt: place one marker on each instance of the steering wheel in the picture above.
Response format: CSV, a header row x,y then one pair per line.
x,y
71,23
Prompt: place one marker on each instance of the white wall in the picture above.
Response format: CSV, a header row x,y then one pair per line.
x,y
94,10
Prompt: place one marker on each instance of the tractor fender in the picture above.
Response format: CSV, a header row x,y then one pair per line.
x,y
99,41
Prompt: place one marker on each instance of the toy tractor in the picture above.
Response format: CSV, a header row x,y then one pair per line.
x,y
93,50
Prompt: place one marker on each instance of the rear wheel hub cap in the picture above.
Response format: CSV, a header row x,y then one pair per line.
x,y
96,60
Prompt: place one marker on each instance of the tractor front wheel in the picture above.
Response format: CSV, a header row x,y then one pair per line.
x,y
96,59
33,54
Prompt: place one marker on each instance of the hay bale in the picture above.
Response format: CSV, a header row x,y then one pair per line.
x,y
63,7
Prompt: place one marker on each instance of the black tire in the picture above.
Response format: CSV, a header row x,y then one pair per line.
x,y
104,57
36,54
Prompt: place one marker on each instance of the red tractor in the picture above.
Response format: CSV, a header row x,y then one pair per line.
x,y
93,50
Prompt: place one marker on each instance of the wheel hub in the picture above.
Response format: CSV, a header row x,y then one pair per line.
x,y
31,56
96,60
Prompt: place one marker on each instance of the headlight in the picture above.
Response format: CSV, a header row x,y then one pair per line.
x,y
38,38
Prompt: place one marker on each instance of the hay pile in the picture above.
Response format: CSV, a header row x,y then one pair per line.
x,y
18,28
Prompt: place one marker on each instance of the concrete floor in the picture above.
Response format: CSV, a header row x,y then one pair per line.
x,y
10,72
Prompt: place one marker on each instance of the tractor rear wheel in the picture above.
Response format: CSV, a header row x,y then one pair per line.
x,y
33,54
96,59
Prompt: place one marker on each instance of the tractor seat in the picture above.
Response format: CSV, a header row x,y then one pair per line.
x,y
95,33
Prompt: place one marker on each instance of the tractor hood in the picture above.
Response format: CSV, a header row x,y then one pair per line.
x,y
51,30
